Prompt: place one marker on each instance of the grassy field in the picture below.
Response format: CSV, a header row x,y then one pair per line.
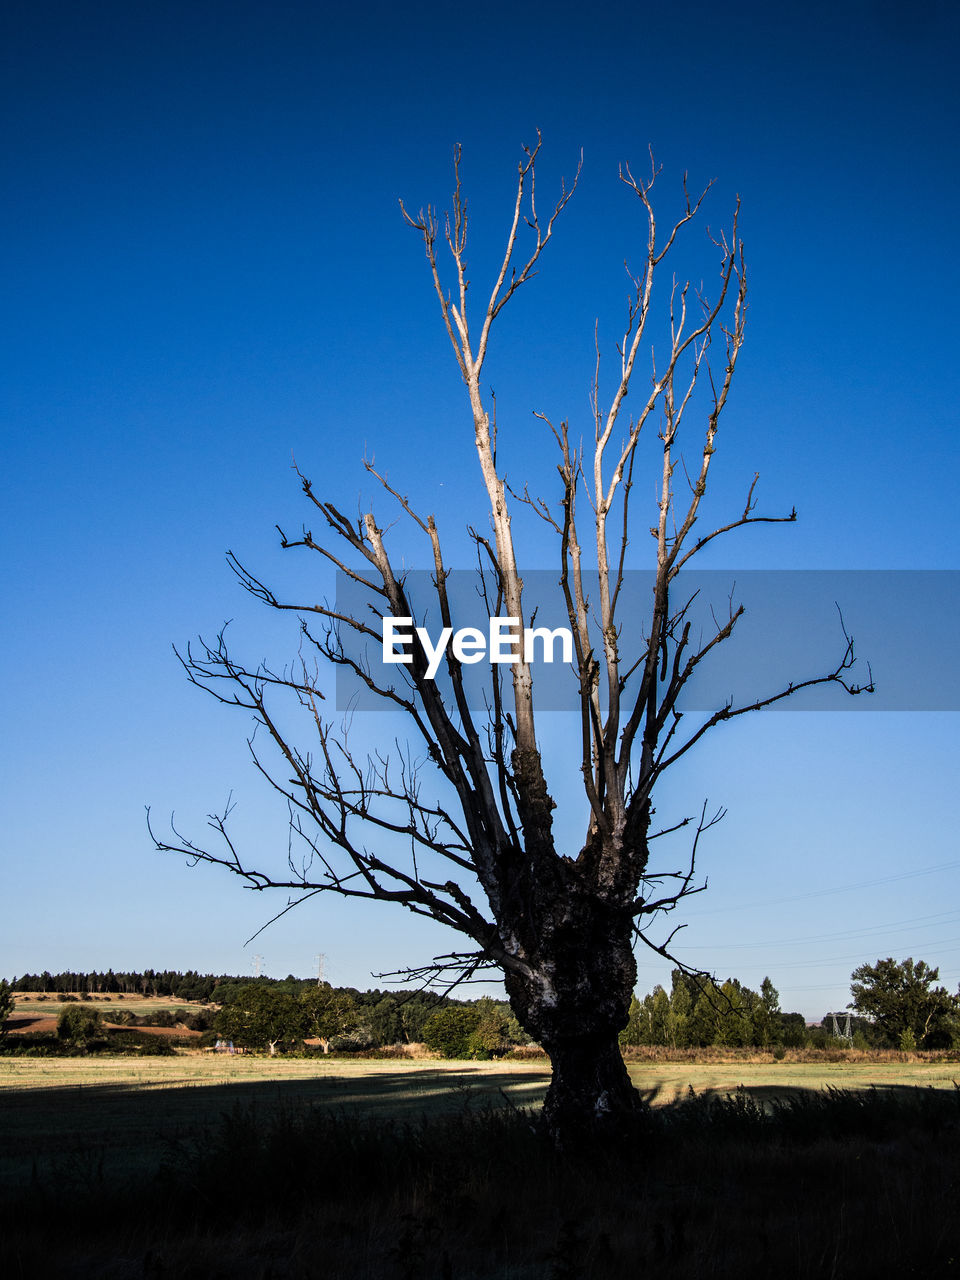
x,y
774,1079
294,1169
49,1005
334,1078
127,1112
124,1113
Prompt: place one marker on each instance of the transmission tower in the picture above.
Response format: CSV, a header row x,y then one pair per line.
x,y
320,960
846,1034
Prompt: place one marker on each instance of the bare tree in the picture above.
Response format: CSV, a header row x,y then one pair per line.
x,y
561,924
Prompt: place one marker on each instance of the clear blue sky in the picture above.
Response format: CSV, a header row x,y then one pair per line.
x,y
205,271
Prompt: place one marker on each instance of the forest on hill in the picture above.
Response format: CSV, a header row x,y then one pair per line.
x,y
894,1005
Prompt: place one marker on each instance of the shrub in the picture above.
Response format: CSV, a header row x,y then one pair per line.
x,y
79,1025
526,1053
140,1046
383,1053
200,1020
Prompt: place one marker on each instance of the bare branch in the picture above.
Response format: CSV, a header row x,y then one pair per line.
x,y
458,828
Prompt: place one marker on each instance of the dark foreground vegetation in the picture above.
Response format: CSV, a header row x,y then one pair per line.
x,y
821,1184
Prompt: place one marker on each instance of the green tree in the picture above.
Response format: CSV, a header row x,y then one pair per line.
x,y
703,1023
449,1030
767,1026
489,1038
683,995
260,1017
413,1017
385,1021
633,1032
6,1005
732,1005
793,1030
900,998
908,1041
659,1016
328,1013
649,1021
515,1033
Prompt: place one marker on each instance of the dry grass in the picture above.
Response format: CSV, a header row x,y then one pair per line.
x,y
196,1068
751,1055
779,1079
129,1109
708,1187
49,1005
190,1068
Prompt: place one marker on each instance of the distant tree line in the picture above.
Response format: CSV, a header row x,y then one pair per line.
x,y
895,1004
390,1017
697,1012
279,1017
265,1013
192,986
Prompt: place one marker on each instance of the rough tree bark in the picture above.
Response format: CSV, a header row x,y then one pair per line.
x,y
560,923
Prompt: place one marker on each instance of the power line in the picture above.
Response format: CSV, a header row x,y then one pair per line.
x,y
820,986
814,964
893,927
953,945
824,893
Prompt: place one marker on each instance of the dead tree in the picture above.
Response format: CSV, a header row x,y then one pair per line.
x,y
561,924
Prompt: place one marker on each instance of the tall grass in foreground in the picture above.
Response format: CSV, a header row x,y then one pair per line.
x,y
828,1184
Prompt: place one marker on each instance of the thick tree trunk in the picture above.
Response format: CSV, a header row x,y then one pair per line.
x,y
590,1091
575,1001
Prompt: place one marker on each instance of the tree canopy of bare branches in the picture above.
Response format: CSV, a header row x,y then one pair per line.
x,y
470,799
